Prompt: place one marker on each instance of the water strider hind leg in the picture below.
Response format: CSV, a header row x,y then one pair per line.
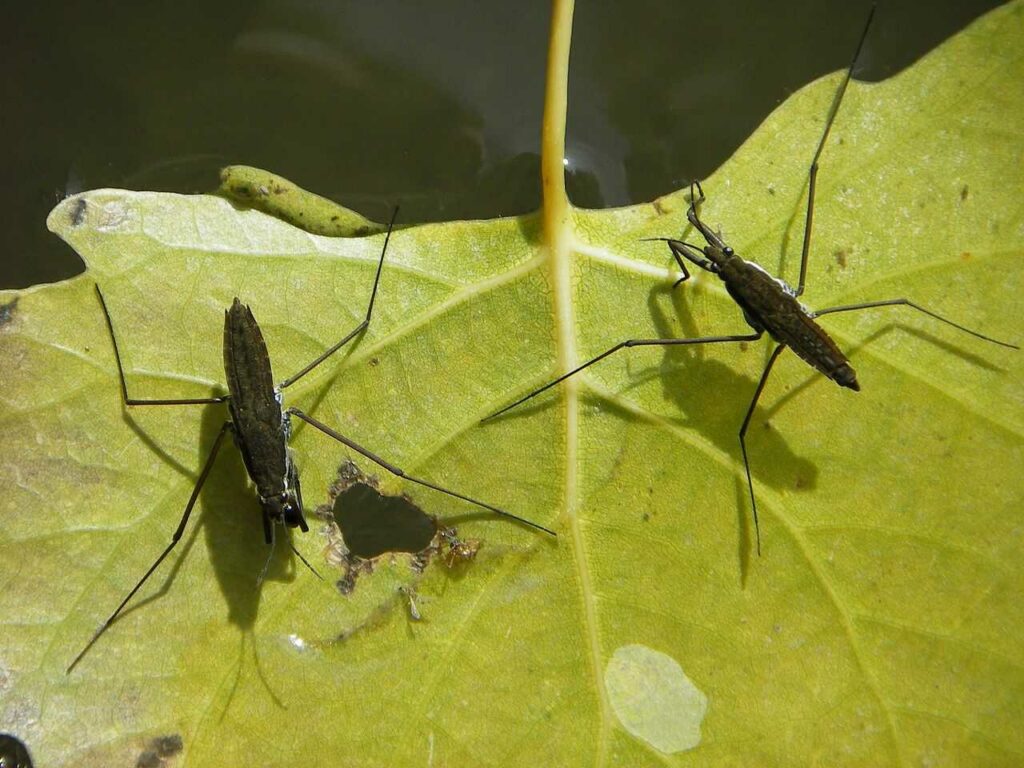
x,y
227,427
743,443
912,305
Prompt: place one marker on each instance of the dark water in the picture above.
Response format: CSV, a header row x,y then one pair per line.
x,y
435,105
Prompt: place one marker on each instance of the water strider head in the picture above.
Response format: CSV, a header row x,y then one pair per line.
x,y
283,505
285,508
712,257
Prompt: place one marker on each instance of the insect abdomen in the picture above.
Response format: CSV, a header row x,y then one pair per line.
x,y
255,410
769,304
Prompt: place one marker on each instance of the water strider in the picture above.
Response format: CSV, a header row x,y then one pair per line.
x,y
768,303
261,427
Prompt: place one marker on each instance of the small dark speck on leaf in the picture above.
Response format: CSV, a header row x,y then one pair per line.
x,y
771,189
963,192
460,551
78,212
159,750
800,483
167,746
841,255
7,311
646,517
965,256
347,583
744,346
374,361
767,426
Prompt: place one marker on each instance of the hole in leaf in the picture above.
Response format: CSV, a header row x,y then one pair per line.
x,y
372,523
7,311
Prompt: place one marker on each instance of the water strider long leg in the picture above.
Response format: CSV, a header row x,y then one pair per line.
x,y
401,473
120,371
813,174
359,328
912,305
304,560
624,345
174,540
743,443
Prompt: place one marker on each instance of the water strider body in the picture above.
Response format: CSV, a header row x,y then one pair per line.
x,y
771,305
768,303
261,428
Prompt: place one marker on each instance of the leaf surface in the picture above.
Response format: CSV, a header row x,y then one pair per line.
x,y
881,626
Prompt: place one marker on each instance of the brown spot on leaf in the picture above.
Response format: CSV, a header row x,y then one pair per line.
x,y
78,212
840,256
159,752
7,311
459,551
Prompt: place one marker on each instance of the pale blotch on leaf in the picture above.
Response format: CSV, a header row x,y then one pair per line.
x,y
654,699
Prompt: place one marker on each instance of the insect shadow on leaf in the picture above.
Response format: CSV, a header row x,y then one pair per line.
x,y
261,427
768,303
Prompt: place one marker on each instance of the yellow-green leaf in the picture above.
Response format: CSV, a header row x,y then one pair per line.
x,y
881,626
